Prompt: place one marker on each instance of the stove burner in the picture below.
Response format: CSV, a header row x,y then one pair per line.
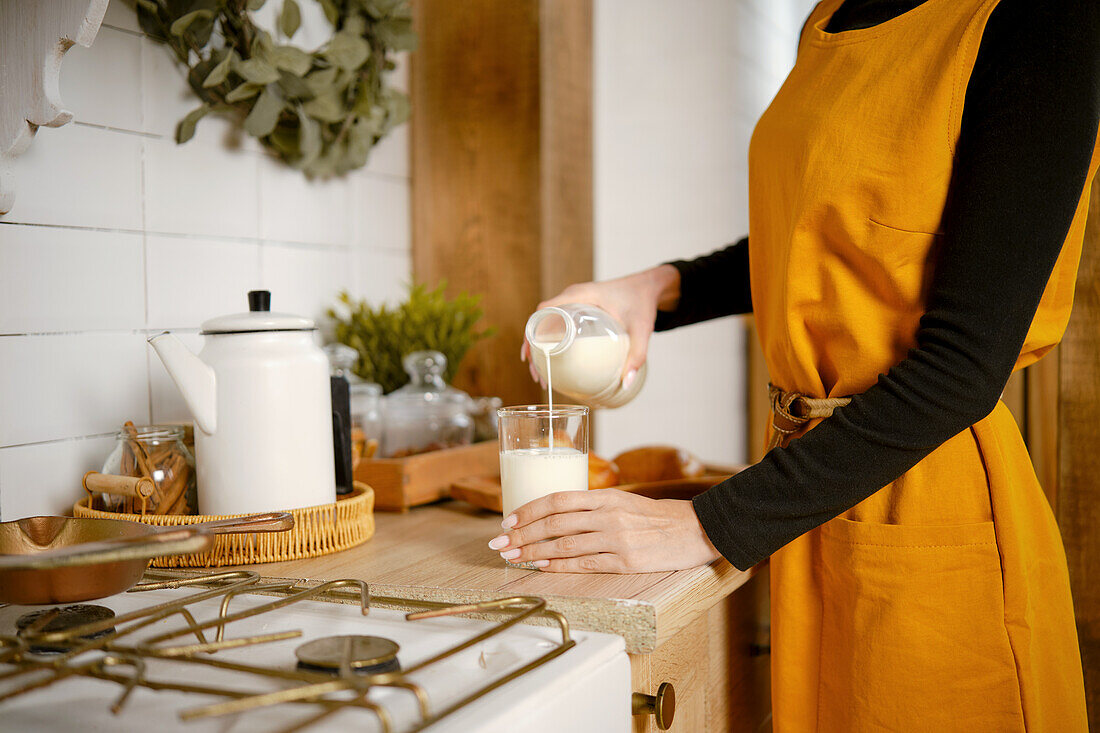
x,y
365,654
49,620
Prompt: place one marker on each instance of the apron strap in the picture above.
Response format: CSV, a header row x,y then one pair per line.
x,y
791,412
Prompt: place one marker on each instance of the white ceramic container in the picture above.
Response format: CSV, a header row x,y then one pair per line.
x,y
259,393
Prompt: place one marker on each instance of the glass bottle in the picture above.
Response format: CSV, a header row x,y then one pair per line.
x,y
585,349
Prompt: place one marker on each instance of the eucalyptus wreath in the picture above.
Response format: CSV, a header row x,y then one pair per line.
x,y
321,111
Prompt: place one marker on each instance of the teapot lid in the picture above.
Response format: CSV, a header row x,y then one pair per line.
x,y
258,318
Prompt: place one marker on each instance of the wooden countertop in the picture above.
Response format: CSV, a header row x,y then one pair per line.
x,y
438,552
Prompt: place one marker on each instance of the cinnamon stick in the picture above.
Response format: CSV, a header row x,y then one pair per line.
x,y
174,484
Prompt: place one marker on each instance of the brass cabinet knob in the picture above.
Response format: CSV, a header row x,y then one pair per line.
x,y
661,706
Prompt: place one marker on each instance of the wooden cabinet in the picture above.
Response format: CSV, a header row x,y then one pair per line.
x,y
718,665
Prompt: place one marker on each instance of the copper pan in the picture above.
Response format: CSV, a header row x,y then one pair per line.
x,y
67,560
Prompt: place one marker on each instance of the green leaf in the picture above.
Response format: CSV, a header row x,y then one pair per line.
x,y
360,141
294,87
150,20
321,81
309,138
396,33
258,71
220,72
185,130
181,24
255,4
381,8
397,109
244,91
332,13
347,51
325,107
364,102
285,141
355,24
290,19
265,113
292,59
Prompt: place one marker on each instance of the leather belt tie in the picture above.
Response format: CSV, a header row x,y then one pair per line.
x,y
792,411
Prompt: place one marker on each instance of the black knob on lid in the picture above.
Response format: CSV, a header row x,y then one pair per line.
x,y
259,300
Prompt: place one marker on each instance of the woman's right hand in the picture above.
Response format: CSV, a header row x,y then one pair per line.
x,y
633,300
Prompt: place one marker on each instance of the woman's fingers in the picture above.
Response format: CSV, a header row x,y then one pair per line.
x,y
604,562
556,525
558,503
635,357
570,545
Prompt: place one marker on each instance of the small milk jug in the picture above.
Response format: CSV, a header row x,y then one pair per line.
x,y
580,350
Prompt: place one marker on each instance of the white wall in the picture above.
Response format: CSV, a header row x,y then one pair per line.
x,y
678,89
117,232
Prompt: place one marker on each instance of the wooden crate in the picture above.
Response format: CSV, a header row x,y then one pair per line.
x,y
401,483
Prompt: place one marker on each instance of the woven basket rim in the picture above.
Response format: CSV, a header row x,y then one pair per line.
x,y
318,530
359,494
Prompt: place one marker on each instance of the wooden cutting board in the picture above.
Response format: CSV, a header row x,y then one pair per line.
x,y
485,491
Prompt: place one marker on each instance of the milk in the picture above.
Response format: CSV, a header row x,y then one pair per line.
x,y
528,474
588,367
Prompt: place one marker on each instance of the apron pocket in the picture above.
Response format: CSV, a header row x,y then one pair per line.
x,y
913,635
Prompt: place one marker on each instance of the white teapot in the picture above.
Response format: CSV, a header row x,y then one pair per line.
x,y
259,393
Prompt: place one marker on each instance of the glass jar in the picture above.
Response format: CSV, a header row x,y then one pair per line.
x,y
366,419
156,452
425,414
580,350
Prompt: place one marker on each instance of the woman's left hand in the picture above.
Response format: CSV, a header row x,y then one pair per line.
x,y
605,531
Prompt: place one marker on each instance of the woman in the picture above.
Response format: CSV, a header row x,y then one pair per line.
x,y
918,193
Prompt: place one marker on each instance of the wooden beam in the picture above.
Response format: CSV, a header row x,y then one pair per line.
x,y
567,214
1079,436
502,165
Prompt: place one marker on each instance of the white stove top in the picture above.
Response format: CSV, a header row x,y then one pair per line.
x,y
586,688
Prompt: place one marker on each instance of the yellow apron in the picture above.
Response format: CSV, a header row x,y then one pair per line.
x,y
942,602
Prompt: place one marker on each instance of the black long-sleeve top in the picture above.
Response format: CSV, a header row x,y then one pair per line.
x,y
1029,127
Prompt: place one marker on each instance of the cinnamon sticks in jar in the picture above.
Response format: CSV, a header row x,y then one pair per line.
x,y
156,453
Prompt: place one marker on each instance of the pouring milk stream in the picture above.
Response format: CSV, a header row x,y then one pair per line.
x,y
586,349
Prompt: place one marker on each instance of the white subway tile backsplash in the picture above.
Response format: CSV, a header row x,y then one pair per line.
x,y
121,14
65,386
381,212
305,280
202,190
381,277
54,279
45,478
115,55
79,176
192,279
167,404
390,157
294,208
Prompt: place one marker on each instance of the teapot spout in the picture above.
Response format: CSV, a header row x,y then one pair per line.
x,y
195,380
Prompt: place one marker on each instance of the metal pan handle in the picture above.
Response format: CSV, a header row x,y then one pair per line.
x,y
269,522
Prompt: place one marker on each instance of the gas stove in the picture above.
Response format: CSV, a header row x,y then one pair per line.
x,y
233,652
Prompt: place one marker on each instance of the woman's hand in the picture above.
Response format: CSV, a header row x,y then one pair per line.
x,y
633,300
605,531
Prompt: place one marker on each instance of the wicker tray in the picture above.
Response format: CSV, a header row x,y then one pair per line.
x,y
318,530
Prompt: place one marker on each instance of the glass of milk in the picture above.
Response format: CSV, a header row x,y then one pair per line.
x,y
543,449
